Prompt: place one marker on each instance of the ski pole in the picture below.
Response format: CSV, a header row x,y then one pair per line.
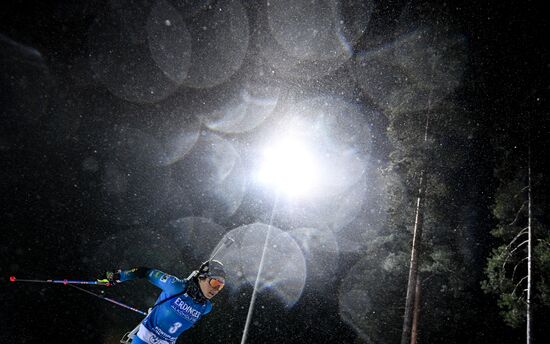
x,y
72,284
227,242
103,282
109,300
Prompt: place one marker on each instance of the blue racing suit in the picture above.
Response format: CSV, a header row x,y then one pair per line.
x,y
168,320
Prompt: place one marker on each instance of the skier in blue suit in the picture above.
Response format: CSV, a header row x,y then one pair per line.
x,y
180,305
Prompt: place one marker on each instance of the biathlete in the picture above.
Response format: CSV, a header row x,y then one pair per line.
x,y
180,305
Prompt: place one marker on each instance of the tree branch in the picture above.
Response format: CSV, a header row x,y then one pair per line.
x,y
517,214
515,267
524,188
523,231
517,285
523,243
512,252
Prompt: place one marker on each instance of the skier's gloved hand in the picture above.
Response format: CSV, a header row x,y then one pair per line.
x,y
113,277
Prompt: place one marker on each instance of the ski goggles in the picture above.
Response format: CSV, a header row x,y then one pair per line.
x,y
217,283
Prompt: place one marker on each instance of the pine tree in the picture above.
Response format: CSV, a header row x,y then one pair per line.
x,y
444,253
518,269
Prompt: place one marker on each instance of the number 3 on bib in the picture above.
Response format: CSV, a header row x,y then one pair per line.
x,y
174,327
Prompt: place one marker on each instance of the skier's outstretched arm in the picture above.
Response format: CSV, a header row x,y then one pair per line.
x,y
156,277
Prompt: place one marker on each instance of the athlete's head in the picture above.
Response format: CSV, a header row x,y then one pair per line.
x,y
211,278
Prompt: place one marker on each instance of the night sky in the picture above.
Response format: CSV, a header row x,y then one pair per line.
x,y
131,131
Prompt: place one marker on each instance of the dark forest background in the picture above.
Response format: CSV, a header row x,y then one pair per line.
x,y
455,93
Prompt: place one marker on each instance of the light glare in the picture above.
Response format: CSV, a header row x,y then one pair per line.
x,y
290,167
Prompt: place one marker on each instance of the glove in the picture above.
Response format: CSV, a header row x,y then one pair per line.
x,y
112,277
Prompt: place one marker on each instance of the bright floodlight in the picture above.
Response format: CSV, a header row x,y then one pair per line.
x,y
290,168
